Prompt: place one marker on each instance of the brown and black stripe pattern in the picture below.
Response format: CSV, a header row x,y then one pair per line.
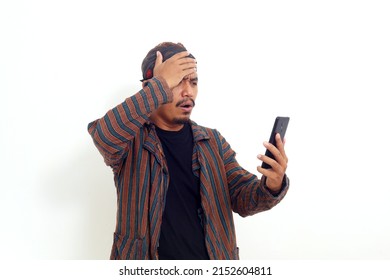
x,y
129,144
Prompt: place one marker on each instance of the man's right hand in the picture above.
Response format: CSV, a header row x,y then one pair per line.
x,y
174,69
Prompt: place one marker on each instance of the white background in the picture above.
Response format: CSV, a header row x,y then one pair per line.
x,y
326,64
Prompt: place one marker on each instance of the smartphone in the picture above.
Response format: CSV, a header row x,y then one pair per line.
x,y
280,126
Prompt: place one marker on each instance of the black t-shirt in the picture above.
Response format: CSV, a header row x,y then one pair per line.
x,y
182,235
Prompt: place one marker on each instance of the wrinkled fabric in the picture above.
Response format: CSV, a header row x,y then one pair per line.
x,y
129,144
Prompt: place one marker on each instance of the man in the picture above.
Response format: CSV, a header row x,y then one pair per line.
x,y
178,182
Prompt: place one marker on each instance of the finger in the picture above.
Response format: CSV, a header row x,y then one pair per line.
x,y
273,179
275,174
280,145
183,60
281,148
189,66
272,148
181,64
180,55
187,60
190,73
269,173
271,162
279,158
159,59
263,171
278,140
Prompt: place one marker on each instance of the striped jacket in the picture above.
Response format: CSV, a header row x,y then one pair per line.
x,y
129,144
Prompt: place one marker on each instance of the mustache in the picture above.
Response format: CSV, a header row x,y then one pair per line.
x,y
184,101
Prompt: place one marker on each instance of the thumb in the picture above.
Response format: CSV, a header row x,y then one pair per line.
x,y
159,59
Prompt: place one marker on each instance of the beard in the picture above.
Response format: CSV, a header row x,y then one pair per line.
x,y
183,120
186,119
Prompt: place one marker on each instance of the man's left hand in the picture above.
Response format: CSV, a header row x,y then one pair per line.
x,y
278,165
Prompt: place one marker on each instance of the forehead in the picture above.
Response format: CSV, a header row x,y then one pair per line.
x,y
193,76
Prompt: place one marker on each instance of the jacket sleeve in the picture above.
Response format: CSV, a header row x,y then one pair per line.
x,y
113,133
249,195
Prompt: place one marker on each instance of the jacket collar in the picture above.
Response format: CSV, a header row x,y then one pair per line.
x,y
199,132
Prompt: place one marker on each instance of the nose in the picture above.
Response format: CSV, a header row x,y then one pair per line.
x,y
187,90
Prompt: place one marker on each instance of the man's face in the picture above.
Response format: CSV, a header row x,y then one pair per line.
x,y
173,115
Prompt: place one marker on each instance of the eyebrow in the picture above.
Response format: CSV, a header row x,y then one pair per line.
x,y
191,80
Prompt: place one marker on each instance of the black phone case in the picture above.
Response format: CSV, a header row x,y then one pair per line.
x,y
280,126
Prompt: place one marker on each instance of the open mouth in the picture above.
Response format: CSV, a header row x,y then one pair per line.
x,y
186,105
186,108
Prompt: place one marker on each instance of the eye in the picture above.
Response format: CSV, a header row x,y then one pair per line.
x,y
194,82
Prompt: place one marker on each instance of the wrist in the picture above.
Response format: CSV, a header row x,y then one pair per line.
x,y
273,189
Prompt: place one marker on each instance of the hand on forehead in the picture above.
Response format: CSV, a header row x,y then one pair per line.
x,y
192,76
167,50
